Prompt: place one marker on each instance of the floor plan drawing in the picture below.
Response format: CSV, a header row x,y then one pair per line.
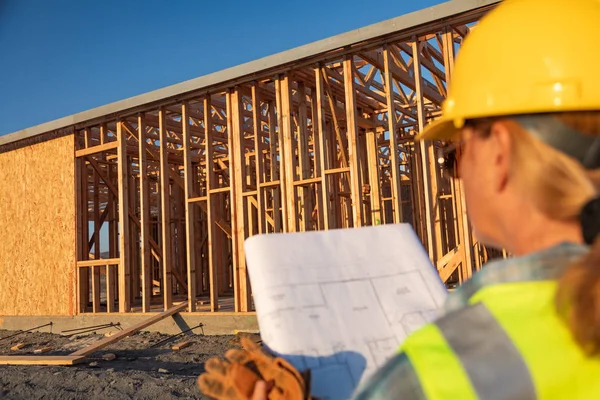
x,y
341,302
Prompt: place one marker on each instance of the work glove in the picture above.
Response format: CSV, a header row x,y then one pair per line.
x,y
236,376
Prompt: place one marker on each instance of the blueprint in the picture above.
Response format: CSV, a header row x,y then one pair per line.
x,y
340,302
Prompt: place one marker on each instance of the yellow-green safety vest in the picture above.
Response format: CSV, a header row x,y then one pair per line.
x,y
509,343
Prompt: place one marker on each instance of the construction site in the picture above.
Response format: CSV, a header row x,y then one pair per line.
x,y
130,219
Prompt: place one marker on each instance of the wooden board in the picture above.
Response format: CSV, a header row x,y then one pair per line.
x,y
40,360
37,214
86,351
42,350
180,346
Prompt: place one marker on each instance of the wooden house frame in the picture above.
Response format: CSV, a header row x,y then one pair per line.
x,y
317,137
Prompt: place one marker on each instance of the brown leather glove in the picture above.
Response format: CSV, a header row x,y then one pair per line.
x,y
235,377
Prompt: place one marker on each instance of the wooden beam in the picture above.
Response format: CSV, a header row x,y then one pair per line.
x,y
342,143
113,244
274,166
238,213
464,232
165,196
98,263
353,143
448,51
103,133
417,192
288,159
190,210
394,157
303,159
374,183
99,345
316,160
96,149
211,209
424,153
282,160
146,267
258,151
82,234
43,350
430,166
452,260
180,346
41,360
124,263
321,139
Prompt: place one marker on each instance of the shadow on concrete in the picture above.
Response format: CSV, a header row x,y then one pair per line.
x,y
180,322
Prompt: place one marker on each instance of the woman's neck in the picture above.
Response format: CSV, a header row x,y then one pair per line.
x,y
540,234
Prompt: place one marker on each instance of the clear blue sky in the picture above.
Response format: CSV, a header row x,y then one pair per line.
x,y
64,56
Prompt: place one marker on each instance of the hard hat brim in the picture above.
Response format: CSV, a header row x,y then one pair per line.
x,y
441,129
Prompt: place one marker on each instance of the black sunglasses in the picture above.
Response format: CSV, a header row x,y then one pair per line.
x,y
448,160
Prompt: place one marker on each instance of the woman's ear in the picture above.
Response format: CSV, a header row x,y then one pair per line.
x,y
500,143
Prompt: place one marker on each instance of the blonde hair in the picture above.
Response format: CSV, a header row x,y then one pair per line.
x,y
561,187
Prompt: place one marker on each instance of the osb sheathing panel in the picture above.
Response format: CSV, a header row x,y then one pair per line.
x,y
37,229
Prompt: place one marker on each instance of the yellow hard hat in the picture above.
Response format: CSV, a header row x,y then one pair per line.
x,y
524,57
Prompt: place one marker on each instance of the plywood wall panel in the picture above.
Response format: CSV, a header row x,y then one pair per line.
x,y
37,229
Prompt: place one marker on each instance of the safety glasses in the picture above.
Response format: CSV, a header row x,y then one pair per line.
x,y
448,158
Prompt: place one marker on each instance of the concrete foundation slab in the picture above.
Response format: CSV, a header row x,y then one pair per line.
x,y
228,324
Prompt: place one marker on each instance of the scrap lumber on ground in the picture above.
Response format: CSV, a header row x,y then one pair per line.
x,y
42,350
180,346
86,351
40,360
80,355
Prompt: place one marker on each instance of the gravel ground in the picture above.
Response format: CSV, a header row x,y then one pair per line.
x,y
138,371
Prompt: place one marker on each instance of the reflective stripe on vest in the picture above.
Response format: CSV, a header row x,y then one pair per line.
x,y
482,349
509,344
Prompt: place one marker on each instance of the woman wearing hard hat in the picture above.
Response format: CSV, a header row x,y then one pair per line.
x,y
524,110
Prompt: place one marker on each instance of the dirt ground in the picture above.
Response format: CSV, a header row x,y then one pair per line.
x,y
139,371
